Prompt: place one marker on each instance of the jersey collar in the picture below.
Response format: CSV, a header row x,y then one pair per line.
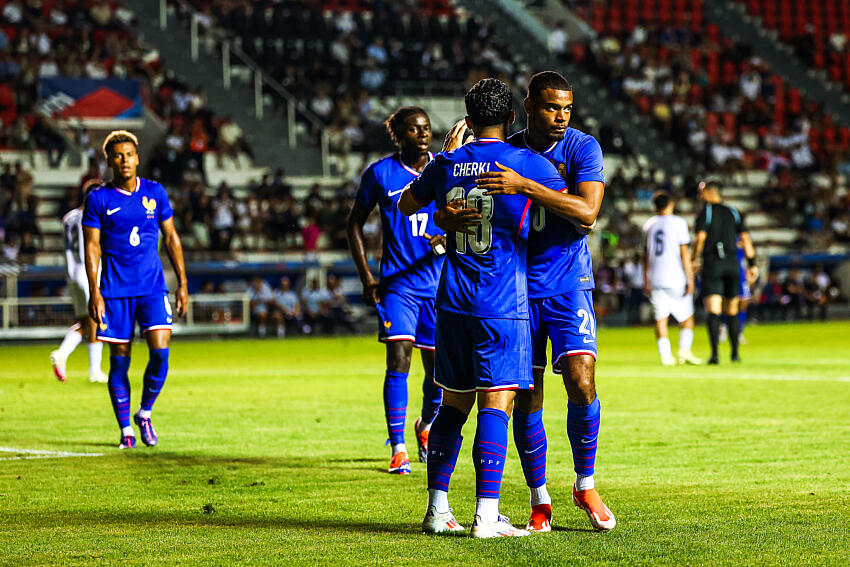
x,y
529,148
407,167
138,185
487,140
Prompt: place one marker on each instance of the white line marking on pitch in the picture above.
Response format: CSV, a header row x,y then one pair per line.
x,y
742,376
39,454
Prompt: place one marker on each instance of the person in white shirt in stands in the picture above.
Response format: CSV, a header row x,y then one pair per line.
x,y
78,287
669,278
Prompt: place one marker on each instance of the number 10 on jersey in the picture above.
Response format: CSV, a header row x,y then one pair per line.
x,y
482,240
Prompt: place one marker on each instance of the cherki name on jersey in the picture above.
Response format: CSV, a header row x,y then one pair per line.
x,y
470,168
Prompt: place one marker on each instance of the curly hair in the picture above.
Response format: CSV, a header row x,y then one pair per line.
x,y
395,122
119,137
489,102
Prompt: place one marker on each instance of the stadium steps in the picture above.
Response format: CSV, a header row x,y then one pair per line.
x,y
514,25
734,21
266,137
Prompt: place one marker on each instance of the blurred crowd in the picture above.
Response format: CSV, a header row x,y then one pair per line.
x,y
317,309
341,64
20,236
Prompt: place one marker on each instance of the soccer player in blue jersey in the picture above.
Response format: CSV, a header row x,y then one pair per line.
x,y
413,255
483,336
560,284
121,226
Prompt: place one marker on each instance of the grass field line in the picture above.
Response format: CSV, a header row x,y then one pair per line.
x,y
22,454
661,373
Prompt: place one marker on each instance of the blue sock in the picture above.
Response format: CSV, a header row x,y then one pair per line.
x,y
583,431
432,395
119,388
155,374
490,452
395,404
530,441
742,320
443,446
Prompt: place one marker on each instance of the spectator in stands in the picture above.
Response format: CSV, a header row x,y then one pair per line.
x,y
261,298
223,219
316,303
794,293
287,308
772,303
558,40
339,308
633,275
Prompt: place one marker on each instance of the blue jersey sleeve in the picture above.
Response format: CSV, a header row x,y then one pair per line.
x,y
424,188
588,161
165,210
369,190
91,212
539,169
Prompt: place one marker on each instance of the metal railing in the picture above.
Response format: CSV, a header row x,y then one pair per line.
x,y
50,317
261,79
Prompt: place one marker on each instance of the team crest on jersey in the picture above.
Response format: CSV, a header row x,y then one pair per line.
x,y
387,324
150,206
561,167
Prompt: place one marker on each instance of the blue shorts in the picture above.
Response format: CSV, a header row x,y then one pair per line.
x,y
407,318
482,354
150,311
568,321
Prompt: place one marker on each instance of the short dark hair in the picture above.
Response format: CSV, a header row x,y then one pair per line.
x,y
489,103
712,183
547,80
661,199
397,118
119,137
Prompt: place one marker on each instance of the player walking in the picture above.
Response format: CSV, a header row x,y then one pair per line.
x,y
669,278
78,287
410,270
482,336
122,222
560,284
718,227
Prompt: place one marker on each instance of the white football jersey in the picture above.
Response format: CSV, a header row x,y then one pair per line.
x,y
664,235
75,266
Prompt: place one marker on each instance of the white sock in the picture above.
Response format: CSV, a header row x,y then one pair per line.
x,y
584,482
424,426
686,340
69,343
95,357
487,509
144,414
664,348
128,431
399,448
540,495
439,499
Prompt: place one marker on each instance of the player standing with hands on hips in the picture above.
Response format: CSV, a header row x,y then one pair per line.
x,y
122,222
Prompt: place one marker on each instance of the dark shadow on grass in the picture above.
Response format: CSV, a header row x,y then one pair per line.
x,y
579,530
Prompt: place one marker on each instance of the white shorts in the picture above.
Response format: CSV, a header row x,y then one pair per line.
x,y
666,302
79,299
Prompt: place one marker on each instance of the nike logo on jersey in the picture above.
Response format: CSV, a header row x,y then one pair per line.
x,y
110,212
396,192
589,340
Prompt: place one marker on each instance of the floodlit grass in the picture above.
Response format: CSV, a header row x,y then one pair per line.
x,y
271,452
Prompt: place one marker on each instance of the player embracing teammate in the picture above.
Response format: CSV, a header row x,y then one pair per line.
x,y
560,284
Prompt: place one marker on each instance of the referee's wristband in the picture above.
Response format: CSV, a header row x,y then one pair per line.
x,y
751,261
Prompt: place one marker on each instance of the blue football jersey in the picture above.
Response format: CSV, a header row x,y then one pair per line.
x,y
485,273
407,264
129,237
558,258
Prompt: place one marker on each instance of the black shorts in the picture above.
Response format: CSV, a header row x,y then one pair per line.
x,y
721,280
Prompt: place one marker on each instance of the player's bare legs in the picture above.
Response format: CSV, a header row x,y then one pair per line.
x,y
583,413
85,328
663,341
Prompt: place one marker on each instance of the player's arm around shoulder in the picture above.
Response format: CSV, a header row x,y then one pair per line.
x,y
423,189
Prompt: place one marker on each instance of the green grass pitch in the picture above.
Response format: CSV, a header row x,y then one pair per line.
x,y
271,452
